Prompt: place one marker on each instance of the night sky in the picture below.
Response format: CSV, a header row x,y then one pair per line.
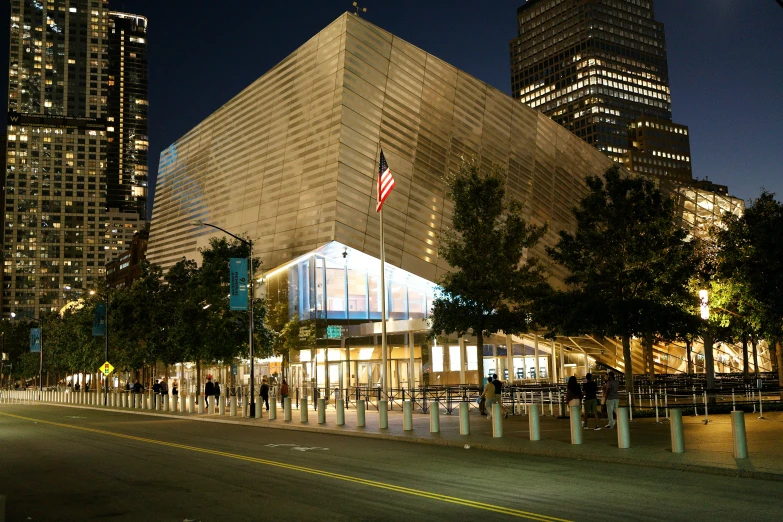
x,y
725,65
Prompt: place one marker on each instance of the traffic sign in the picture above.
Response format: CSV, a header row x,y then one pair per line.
x,y
106,369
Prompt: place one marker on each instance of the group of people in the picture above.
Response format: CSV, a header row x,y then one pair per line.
x,y
213,390
492,394
589,393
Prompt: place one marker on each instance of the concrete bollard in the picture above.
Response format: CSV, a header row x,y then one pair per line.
x,y
191,403
677,433
321,411
303,413
200,405
434,417
287,408
166,403
211,407
623,428
246,409
407,416
576,424
259,407
464,418
534,423
222,407
497,420
340,406
140,401
738,435
273,409
232,406
383,414
360,413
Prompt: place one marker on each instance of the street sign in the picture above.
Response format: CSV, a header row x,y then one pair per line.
x,y
106,369
334,332
304,333
238,283
35,339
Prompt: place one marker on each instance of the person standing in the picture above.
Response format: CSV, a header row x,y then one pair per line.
x,y
209,391
590,390
216,390
156,394
573,394
612,397
283,392
489,396
264,393
174,389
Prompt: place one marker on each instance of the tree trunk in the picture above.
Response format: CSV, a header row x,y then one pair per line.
x,y
745,363
628,363
779,354
755,344
480,357
773,347
688,354
648,345
198,378
709,362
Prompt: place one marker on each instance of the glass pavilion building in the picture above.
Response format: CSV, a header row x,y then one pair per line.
x,y
291,161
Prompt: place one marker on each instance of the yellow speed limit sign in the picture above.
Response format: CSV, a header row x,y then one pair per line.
x,y
106,369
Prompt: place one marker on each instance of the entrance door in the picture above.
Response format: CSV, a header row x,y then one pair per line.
x,y
403,375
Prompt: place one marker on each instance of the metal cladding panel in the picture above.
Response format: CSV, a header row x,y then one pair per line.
x,y
431,117
292,160
264,165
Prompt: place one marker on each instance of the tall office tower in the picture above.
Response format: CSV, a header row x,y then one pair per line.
x,y
55,197
127,117
598,68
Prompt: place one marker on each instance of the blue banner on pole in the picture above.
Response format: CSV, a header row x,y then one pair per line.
x,y
238,283
99,321
35,340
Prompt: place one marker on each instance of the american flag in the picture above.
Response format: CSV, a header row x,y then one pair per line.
x,y
385,182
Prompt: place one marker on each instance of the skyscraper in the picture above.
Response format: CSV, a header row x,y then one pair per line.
x,y
56,158
55,222
127,119
599,68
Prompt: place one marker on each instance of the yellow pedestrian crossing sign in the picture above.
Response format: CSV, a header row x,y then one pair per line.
x,y
106,369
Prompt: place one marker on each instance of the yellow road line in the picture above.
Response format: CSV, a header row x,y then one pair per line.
x,y
328,474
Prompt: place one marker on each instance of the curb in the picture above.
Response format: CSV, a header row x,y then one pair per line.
x,y
436,440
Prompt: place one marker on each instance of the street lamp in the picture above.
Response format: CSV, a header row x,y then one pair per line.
x,y
249,243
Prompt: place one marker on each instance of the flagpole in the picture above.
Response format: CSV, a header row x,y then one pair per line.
x,y
384,375
384,355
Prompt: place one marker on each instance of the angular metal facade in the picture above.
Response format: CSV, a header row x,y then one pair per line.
x,y
291,161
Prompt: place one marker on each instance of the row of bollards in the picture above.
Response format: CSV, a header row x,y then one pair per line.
x,y
186,404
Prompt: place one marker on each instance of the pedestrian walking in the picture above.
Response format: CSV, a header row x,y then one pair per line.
x,y
137,387
164,390
573,394
283,392
264,393
489,396
209,390
174,389
156,391
499,394
612,398
590,390
217,394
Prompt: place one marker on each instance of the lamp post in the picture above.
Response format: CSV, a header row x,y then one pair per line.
x,y
249,243
106,338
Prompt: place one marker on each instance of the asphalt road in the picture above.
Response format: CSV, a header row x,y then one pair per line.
x,y
72,464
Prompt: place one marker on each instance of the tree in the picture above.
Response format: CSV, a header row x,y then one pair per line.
x,y
494,281
752,253
629,264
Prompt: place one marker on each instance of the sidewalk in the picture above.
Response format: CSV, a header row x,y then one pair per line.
x,y
708,447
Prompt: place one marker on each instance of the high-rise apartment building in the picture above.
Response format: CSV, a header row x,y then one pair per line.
x,y
598,68
127,120
55,204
